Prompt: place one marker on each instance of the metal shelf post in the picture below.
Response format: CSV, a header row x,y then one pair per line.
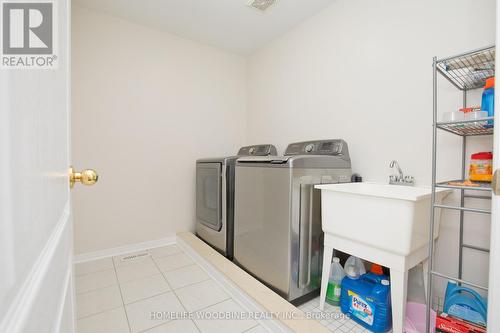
x,y
433,197
462,197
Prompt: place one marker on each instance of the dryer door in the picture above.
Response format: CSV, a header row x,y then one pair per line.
x,y
208,195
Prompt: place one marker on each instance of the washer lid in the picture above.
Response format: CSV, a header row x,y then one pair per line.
x,y
297,161
255,150
222,160
264,159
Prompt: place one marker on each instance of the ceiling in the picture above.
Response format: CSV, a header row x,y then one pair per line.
x,y
228,24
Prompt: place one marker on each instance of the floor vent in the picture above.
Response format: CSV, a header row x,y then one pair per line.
x,y
261,5
135,256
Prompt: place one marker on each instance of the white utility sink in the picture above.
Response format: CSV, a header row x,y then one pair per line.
x,y
393,218
381,223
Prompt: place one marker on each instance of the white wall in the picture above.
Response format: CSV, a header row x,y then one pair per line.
x,y
361,70
145,105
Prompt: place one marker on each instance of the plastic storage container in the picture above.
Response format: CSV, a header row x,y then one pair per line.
x,y
481,167
476,115
367,300
465,303
488,98
453,116
334,282
415,318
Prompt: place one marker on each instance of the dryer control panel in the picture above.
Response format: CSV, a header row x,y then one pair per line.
x,y
320,147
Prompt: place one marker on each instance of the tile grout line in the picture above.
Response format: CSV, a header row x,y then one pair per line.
x,y
98,271
96,289
208,306
175,268
209,279
175,294
155,326
251,328
121,295
81,276
159,269
100,312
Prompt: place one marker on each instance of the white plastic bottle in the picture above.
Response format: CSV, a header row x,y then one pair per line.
x,y
334,282
356,263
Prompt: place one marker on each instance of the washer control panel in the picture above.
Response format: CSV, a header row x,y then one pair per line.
x,y
320,147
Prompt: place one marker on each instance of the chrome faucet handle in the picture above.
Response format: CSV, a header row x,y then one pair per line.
x,y
393,179
410,180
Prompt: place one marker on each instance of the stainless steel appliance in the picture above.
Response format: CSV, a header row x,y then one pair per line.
x,y
215,197
277,226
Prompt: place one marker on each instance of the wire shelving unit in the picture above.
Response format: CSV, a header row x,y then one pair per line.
x,y
466,71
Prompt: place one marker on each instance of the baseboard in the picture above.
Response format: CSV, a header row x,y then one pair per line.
x,y
115,251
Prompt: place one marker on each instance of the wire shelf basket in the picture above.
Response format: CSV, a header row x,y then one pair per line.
x,y
469,70
468,127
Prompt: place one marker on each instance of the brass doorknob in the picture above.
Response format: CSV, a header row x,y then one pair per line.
x,y
86,177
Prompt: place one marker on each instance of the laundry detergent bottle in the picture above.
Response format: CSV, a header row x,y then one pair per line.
x,y
334,282
367,300
488,98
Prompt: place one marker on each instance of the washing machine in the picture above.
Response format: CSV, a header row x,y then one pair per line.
x,y
277,223
215,197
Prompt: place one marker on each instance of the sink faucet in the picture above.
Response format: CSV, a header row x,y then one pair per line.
x,y
400,178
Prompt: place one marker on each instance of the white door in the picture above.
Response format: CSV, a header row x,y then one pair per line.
x,y
36,242
494,278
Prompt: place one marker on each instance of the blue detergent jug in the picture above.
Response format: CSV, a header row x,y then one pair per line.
x,y
465,303
367,300
488,98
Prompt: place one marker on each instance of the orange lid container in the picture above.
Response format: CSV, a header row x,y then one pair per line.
x,y
490,83
377,269
481,167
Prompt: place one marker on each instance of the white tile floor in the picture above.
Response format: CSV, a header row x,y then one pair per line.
x,y
131,294
134,293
